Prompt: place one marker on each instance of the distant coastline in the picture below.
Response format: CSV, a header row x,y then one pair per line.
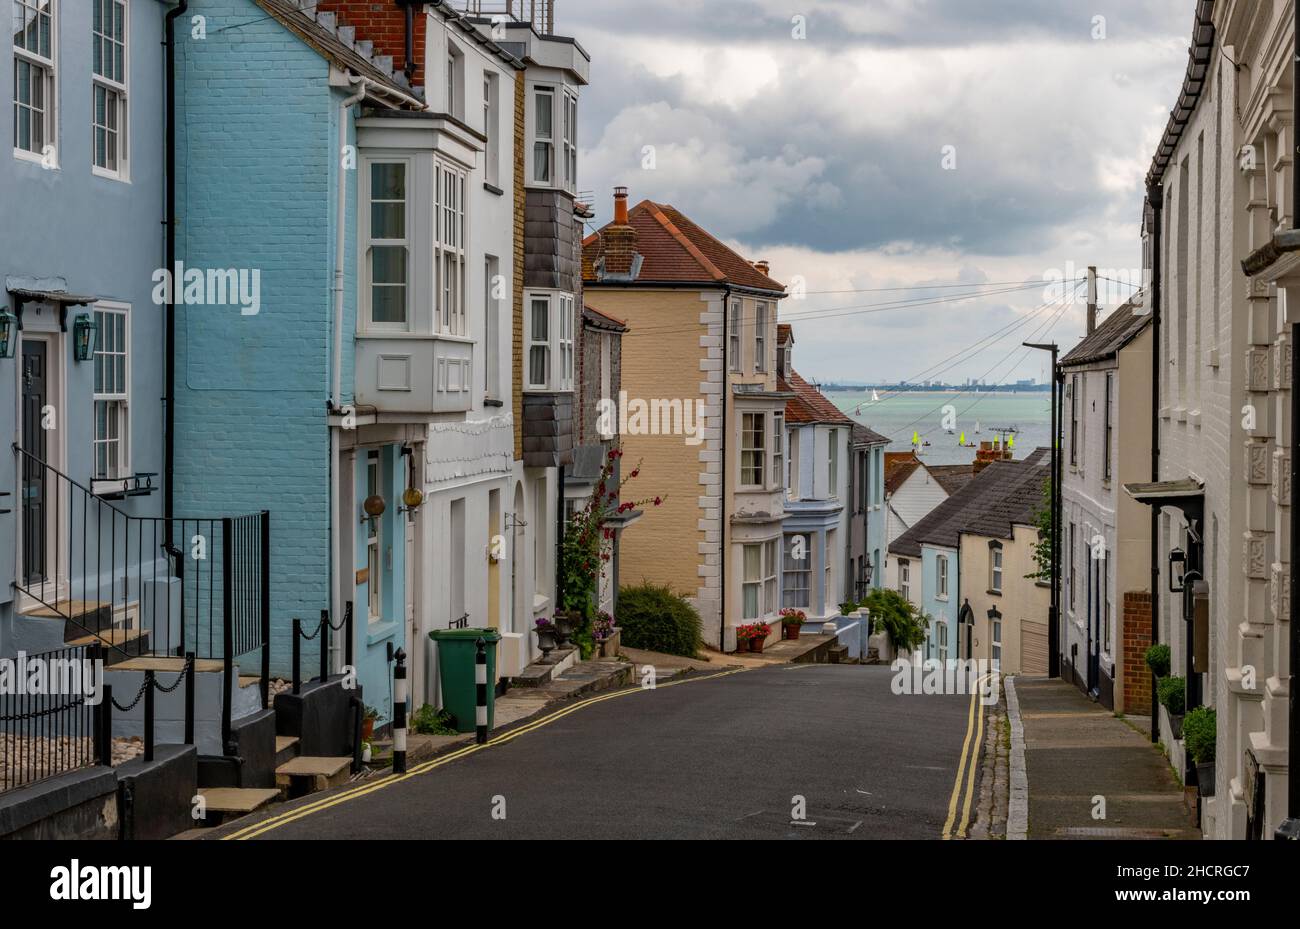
x,y
939,388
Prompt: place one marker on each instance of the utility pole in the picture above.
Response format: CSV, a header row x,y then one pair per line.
x,y
1054,609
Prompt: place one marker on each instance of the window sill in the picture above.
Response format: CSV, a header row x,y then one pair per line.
x,y
21,154
493,189
993,593
379,630
109,175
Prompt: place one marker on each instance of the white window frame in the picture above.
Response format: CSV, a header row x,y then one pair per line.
x,y
941,640
492,127
559,341
49,74
758,452
941,577
995,633
760,336
793,570
116,94
765,584
539,141
792,466
778,449
995,568
367,257
491,330
449,248
118,401
833,463
905,579
569,139
736,319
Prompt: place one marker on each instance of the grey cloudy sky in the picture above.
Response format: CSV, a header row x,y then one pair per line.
x,y
825,154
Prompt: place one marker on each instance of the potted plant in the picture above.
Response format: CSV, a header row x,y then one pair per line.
x,y
566,623
744,633
1200,728
758,636
368,723
545,630
606,634
1172,693
791,622
1157,658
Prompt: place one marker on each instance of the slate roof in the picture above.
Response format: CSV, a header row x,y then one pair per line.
x,y
601,320
809,405
675,250
952,478
864,435
1114,332
1003,495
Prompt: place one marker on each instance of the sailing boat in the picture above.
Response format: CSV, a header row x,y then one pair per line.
x,y
977,427
875,397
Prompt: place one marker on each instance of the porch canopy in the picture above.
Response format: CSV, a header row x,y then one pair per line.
x,y
60,298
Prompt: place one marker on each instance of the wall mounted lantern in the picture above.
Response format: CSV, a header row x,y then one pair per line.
x,y
1177,570
84,330
374,507
412,498
8,333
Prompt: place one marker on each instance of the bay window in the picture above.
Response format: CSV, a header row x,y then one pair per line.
x,y
449,249
753,440
797,571
570,142
778,448
387,245
109,86
35,29
733,336
549,324
111,459
543,135
758,588
760,336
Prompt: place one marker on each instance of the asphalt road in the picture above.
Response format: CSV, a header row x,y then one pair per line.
x,y
720,758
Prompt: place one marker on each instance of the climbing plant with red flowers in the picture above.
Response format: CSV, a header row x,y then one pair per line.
x,y
583,554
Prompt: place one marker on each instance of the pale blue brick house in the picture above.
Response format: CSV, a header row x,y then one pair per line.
x,y
265,411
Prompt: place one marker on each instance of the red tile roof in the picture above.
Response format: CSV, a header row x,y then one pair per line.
x,y
898,468
809,405
674,249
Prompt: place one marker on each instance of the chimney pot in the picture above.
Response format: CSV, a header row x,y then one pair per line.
x,y
762,266
620,206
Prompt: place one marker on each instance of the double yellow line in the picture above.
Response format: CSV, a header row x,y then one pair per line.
x,y
967,765
283,819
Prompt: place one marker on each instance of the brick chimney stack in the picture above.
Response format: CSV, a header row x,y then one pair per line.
x,y
762,267
618,239
384,24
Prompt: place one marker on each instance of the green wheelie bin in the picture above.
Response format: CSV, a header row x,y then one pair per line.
x,y
457,649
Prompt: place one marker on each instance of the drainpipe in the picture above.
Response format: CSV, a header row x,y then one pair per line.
x,y
336,392
1290,827
1155,199
409,9
169,220
722,501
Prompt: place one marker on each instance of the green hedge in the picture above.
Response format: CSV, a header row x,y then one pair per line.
x,y
655,618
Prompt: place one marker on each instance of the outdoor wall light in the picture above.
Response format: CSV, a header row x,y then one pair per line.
x,y
412,497
374,507
8,334
83,337
1177,570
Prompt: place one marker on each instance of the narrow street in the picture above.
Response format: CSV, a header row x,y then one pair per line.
x,y
710,757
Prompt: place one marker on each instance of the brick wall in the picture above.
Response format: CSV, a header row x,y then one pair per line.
x,y
382,22
255,158
1135,640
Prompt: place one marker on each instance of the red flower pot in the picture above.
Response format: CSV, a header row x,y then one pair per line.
x,y
756,643
792,632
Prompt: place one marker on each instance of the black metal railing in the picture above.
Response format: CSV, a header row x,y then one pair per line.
x,y
540,14
45,734
300,635
146,584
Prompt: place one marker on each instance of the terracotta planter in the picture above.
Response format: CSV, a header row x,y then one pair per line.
x,y
756,644
367,728
792,631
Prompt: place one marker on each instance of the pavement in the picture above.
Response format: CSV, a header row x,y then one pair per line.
x,y
1090,774
716,754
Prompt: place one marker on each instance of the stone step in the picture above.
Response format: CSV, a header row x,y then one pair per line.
x,y
238,800
286,749
126,644
308,774
165,664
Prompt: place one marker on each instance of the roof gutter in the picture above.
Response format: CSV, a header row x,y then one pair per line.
x,y
723,519
1198,67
